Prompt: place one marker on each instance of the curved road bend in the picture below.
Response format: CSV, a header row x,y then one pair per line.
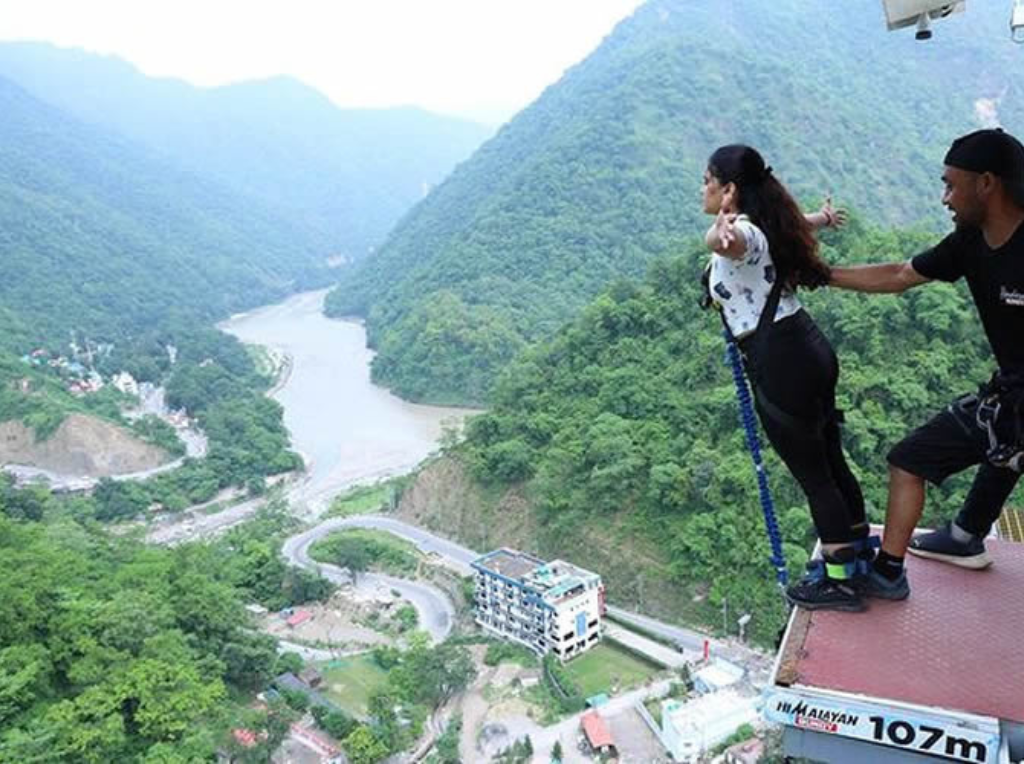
x,y
431,611
434,610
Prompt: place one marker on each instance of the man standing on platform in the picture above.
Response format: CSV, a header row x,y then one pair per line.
x,y
984,189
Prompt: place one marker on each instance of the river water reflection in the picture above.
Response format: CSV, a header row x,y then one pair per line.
x,y
349,430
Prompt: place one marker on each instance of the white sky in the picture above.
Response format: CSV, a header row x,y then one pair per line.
x,y
484,59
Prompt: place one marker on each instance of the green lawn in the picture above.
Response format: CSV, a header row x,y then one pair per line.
x,y
377,550
601,667
349,682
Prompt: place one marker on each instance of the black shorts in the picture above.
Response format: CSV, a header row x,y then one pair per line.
x,y
943,446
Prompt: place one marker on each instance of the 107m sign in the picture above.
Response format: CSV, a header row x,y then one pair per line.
x,y
960,737
922,737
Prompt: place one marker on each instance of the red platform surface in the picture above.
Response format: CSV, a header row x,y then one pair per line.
x,y
957,643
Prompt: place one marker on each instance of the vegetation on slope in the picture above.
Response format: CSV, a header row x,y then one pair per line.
x,y
624,426
602,173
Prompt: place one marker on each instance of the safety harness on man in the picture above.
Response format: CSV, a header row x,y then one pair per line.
x,y
997,409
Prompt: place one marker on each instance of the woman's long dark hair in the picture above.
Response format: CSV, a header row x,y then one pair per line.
x,y
771,208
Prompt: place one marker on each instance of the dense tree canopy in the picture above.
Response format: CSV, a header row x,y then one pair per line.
x,y
110,651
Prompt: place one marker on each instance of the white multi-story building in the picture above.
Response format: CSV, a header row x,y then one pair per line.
x,y
690,729
546,606
125,382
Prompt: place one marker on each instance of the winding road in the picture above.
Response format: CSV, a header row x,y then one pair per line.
x,y
435,611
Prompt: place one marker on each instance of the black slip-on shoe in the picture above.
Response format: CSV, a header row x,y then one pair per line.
x,y
940,545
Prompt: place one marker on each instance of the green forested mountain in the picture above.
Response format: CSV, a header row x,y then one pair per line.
x,y
103,242
602,173
341,177
623,430
99,235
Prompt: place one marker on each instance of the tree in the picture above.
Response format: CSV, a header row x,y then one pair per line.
x,y
349,552
447,745
25,676
432,675
119,499
288,663
249,660
556,752
24,504
301,586
163,700
337,724
386,656
296,699
89,728
363,747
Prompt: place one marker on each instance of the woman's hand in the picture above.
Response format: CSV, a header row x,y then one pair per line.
x,y
725,229
832,217
724,238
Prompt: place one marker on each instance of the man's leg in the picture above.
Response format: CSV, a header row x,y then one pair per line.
x,y
903,512
932,452
962,543
991,488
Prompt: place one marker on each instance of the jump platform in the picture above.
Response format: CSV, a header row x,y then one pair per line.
x,y
939,675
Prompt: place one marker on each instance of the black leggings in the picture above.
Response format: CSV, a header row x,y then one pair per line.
x,y
796,370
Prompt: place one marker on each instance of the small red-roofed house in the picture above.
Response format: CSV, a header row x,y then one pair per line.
x,y
298,618
598,736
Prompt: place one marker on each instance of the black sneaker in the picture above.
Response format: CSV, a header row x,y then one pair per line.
x,y
874,584
815,592
940,545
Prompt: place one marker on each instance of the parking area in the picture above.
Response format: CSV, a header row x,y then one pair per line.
x,y
637,743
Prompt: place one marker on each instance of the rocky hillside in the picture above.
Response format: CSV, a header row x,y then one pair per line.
x,y
445,499
82,446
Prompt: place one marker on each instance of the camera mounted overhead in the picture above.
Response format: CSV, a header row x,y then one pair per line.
x,y
921,14
1017,21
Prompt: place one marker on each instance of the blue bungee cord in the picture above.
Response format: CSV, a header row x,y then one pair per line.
x,y
749,422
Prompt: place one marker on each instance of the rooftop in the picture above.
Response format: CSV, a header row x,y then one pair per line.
x,y
596,730
552,580
719,673
710,713
955,644
299,617
509,563
557,579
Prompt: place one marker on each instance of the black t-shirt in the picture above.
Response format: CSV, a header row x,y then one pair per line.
x,y
996,280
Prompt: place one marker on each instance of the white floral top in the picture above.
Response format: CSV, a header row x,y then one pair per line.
x,y
740,286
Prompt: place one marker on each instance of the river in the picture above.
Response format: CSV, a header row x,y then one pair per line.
x,y
349,430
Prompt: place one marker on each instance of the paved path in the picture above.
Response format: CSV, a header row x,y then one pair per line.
x,y
656,651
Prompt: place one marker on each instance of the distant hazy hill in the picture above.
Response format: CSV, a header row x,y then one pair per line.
x,y
603,171
101,235
343,177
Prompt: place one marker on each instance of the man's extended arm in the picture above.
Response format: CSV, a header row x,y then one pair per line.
x,y
883,277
